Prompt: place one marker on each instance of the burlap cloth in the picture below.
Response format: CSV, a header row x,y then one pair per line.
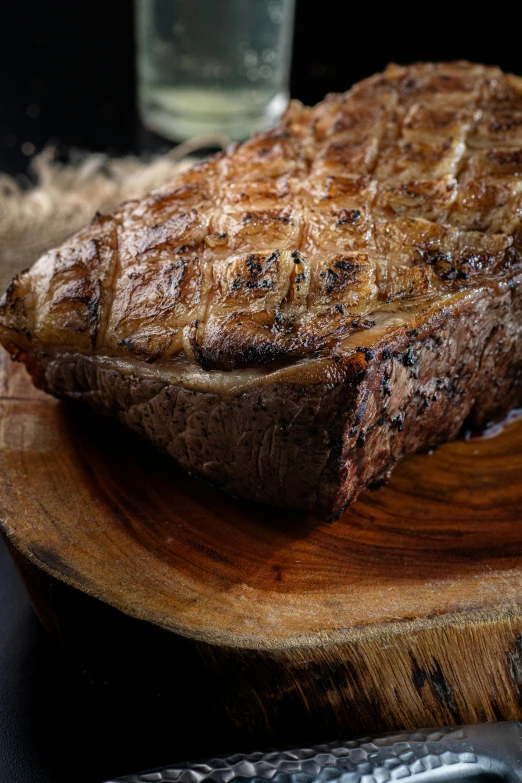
x,y
65,197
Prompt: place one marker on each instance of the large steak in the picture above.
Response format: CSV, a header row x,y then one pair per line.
x,y
292,318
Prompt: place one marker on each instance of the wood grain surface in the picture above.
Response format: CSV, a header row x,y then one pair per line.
x,y
407,611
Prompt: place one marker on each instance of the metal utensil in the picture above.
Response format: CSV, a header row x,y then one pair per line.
x,y
480,754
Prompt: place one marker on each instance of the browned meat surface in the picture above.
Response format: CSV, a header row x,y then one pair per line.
x,y
293,317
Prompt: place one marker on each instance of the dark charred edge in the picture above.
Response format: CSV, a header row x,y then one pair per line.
x,y
222,349
13,312
216,354
91,300
198,354
108,294
9,297
132,344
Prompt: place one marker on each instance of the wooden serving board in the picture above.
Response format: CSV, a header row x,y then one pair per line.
x,y
405,612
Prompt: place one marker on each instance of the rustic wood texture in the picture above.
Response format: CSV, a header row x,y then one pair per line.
x,y
407,611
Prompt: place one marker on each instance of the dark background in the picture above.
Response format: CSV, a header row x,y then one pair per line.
x,y
67,79
74,61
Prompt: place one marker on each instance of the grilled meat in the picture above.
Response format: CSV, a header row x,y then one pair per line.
x,y
295,316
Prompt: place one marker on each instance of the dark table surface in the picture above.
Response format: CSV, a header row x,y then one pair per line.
x,y
45,730
58,727
67,79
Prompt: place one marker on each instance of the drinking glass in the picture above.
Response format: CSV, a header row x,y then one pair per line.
x,y
213,66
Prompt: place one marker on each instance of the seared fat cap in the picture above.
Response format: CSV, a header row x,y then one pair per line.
x,y
395,193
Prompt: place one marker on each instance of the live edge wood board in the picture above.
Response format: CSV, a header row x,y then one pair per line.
x,y
405,612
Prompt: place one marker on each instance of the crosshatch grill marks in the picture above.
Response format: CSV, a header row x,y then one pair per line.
x,y
402,190
111,285
339,236
489,194
418,184
162,285
72,296
252,249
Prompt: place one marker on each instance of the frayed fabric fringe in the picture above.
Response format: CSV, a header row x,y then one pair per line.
x,y
65,197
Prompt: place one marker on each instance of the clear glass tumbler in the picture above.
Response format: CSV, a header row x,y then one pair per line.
x,y
213,66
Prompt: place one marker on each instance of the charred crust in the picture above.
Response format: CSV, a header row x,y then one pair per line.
x,y
253,264
141,346
440,254
409,359
381,481
195,346
385,385
346,266
249,217
268,284
343,274
506,124
398,422
349,216
331,279
363,323
283,323
97,219
368,353
255,267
